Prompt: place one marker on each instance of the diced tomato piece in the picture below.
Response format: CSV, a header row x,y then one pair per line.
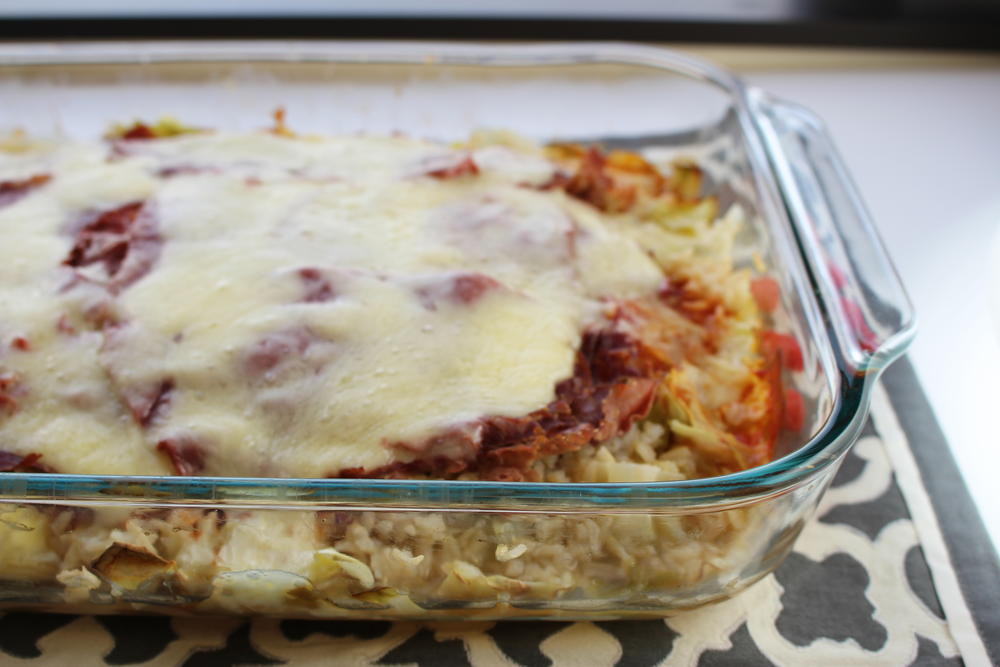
x,y
787,348
795,410
766,292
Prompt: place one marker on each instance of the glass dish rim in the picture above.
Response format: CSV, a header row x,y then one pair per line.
x,y
777,477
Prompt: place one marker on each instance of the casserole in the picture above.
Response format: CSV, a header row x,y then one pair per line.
x,y
420,548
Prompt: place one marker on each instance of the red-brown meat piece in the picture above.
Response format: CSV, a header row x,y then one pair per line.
x,y
11,462
12,191
316,286
593,184
186,455
147,398
464,289
467,167
10,386
125,241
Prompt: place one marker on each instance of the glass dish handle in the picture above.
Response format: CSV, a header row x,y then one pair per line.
x,y
866,306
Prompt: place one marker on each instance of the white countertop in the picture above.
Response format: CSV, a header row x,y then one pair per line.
x,y
920,134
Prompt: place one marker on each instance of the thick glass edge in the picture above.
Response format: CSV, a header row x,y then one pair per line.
x,y
762,105
360,52
711,494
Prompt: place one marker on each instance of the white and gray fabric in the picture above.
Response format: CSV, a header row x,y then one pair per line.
x,y
896,569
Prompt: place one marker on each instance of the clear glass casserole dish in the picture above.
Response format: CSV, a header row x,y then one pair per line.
x,y
471,549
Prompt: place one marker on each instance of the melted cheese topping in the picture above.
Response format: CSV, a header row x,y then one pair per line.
x,y
310,304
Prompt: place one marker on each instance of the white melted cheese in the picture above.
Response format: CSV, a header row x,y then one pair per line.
x,y
314,301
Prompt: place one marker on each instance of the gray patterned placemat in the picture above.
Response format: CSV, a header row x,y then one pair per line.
x,y
896,569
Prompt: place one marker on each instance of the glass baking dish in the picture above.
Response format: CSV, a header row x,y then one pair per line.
x,y
454,549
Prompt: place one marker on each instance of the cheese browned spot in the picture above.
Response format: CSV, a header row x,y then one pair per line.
x,y
593,182
687,299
